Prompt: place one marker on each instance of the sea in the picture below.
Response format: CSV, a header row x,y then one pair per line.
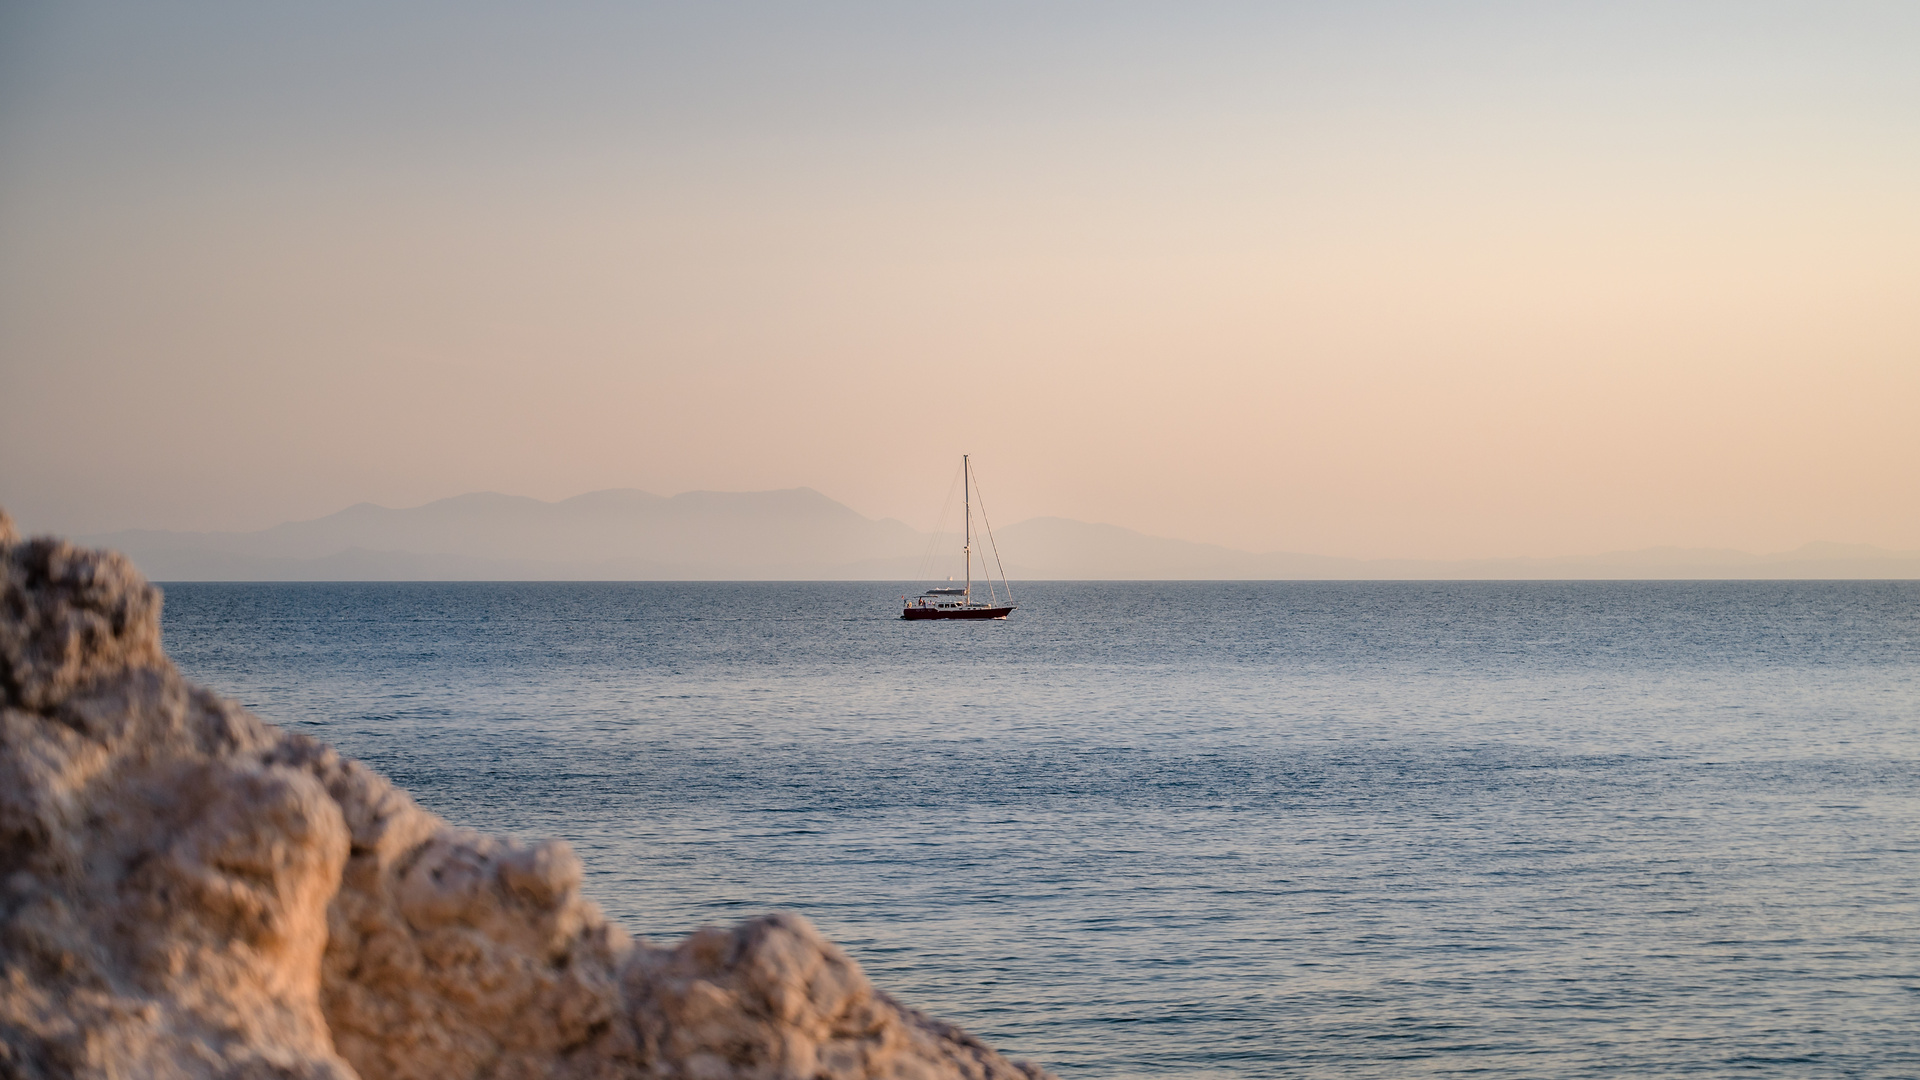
x,y
1196,829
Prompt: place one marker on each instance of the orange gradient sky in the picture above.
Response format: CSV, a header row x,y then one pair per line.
x,y
1423,280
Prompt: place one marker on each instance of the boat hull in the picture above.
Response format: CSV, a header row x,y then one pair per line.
x,y
916,614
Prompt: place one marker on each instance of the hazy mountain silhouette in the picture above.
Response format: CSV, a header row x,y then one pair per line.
x,y
801,534
798,533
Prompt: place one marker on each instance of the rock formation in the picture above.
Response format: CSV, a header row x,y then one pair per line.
x,y
187,891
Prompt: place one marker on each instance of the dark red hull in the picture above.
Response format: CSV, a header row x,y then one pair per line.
x,y
958,613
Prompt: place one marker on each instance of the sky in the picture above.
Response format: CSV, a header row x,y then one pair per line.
x,y
1434,280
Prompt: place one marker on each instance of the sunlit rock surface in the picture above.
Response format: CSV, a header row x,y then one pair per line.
x,y
186,891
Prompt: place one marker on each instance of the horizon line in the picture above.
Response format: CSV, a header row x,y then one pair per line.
x,y
1880,552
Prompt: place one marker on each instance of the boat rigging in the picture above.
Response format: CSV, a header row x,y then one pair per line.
x,y
951,603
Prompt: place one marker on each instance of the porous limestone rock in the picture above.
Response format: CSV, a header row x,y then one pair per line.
x,y
187,891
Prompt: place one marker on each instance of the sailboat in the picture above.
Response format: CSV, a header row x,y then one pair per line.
x,y
951,603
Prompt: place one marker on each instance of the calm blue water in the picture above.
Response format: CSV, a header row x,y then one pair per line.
x,y
1198,829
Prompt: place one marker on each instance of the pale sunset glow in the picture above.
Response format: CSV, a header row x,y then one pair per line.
x,y
1371,280
1059,540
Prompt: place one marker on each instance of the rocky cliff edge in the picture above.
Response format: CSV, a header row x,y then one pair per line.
x,y
187,891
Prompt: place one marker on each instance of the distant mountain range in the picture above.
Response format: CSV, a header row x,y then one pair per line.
x,y
800,534
605,535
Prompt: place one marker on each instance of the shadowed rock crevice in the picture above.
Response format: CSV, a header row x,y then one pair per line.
x,y
186,891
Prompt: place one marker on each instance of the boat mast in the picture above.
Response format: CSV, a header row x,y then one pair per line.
x,y
966,500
